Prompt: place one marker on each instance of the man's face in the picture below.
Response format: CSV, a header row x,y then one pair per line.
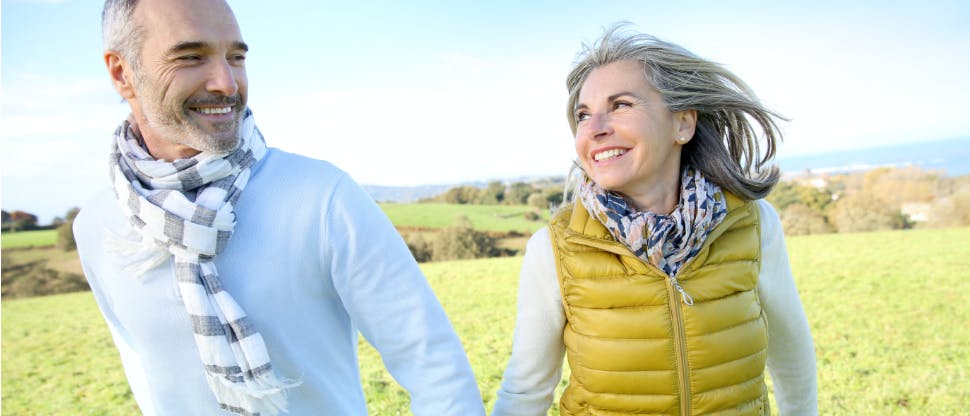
x,y
190,87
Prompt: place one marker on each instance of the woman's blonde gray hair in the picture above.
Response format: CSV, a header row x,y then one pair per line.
x,y
725,146
119,31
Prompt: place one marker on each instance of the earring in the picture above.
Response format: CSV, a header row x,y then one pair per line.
x,y
681,140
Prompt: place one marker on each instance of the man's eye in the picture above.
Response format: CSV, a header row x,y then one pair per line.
x,y
190,58
237,58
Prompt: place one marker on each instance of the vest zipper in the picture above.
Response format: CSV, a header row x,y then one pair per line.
x,y
680,345
688,300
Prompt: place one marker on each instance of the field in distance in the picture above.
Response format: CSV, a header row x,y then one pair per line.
x,y
33,238
501,218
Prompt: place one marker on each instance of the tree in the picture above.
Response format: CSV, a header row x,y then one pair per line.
x,y
460,195
518,193
20,220
787,193
951,211
783,194
799,219
493,194
864,212
553,195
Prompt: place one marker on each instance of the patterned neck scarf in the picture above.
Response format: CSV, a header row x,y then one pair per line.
x,y
665,241
185,209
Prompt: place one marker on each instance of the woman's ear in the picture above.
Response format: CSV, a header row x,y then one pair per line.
x,y
686,122
121,74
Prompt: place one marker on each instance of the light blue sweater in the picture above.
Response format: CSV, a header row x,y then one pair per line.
x,y
312,261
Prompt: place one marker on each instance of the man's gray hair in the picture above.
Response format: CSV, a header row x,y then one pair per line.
x,y
119,31
725,145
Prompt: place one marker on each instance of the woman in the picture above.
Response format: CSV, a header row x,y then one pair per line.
x,y
664,277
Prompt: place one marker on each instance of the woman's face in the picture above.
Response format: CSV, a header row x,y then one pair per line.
x,y
625,136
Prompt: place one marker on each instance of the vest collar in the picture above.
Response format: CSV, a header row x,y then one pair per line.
x,y
583,229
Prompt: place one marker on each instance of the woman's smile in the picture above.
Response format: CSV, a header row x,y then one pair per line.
x,y
608,155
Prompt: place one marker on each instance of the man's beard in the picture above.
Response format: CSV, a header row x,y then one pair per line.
x,y
175,124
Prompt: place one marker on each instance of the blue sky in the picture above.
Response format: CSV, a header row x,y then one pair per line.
x,y
421,92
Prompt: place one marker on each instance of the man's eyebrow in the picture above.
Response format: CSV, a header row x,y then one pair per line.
x,y
195,45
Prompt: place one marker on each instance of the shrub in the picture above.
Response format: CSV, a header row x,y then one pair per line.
x,y
65,236
65,231
419,245
461,241
532,216
538,200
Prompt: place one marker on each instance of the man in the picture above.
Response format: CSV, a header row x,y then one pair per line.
x,y
233,276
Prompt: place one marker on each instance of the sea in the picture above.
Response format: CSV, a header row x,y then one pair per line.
x,y
951,156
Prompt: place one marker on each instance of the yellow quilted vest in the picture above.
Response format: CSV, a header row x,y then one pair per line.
x,y
633,345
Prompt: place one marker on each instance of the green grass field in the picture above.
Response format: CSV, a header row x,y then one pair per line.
x,y
888,312
483,217
36,238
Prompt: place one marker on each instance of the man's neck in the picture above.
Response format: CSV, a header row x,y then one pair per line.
x,y
161,149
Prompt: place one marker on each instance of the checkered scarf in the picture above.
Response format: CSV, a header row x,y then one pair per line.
x,y
665,241
185,209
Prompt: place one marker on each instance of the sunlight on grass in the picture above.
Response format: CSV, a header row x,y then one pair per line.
x,y
887,311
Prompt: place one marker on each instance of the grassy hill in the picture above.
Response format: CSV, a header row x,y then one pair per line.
x,y
888,313
501,218
34,238
483,217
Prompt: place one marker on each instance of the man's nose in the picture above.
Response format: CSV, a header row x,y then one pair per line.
x,y
222,78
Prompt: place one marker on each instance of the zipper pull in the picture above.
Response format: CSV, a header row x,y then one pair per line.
x,y
689,301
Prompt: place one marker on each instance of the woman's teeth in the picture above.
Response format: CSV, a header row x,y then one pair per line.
x,y
608,154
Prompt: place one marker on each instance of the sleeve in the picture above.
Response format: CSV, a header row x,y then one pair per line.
x,y
535,367
389,300
89,248
791,352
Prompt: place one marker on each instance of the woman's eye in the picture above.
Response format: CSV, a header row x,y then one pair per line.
x,y
580,116
621,104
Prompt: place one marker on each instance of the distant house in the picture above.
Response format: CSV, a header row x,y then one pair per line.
x,y
916,211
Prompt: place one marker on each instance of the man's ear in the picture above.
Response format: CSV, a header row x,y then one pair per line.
x,y
121,74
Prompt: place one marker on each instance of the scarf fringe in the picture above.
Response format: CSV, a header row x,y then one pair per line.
x,y
146,256
264,395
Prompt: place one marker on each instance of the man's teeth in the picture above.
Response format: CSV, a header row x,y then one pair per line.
x,y
608,154
207,110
